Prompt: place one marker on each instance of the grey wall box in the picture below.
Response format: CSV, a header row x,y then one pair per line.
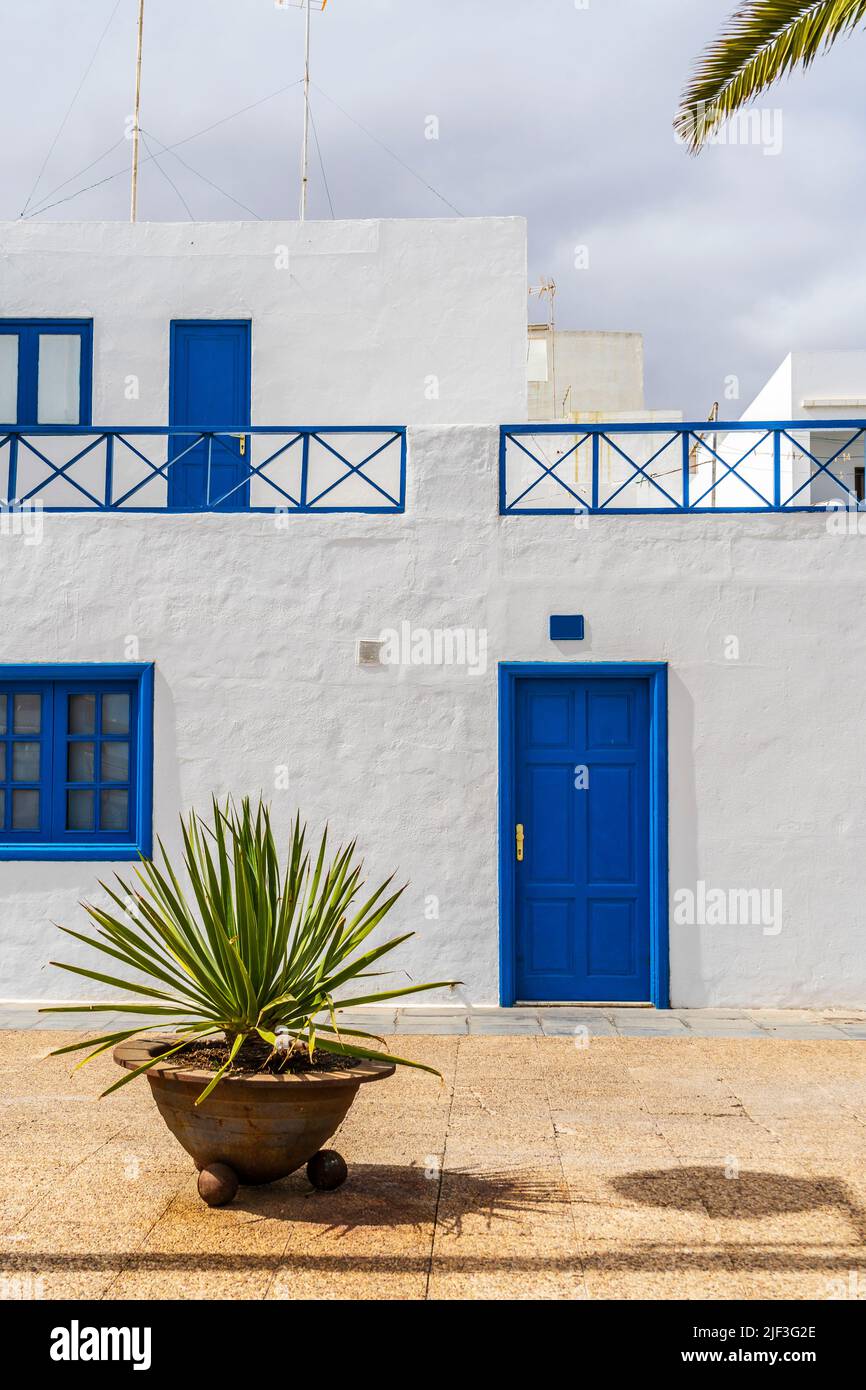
x,y
566,627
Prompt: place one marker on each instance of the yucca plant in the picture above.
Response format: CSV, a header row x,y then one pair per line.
x,y
257,948
763,41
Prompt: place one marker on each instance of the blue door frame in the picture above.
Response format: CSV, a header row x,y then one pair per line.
x,y
656,676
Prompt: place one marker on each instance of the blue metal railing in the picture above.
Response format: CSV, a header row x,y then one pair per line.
x,y
264,468
640,469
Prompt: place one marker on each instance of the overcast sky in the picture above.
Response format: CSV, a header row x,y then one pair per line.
x,y
559,113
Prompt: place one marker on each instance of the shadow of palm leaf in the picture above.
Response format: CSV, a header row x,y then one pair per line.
x,y
390,1195
749,1194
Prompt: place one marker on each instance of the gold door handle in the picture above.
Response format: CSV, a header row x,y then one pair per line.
x,y
243,442
519,838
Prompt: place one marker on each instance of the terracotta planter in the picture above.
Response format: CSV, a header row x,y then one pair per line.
x,y
260,1127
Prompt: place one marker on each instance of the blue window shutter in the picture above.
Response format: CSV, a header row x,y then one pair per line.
x,y
28,332
96,775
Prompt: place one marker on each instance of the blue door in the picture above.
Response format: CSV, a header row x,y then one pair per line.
x,y
581,795
209,390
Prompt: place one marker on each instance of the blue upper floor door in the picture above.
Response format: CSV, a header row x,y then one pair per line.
x,y
209,390
582,826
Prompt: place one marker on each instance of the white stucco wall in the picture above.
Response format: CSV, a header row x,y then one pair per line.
x,y
386,322
253,631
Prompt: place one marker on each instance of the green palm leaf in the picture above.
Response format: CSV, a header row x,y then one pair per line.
x,y
763,41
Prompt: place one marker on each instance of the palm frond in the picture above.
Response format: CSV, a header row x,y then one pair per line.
x,y
763,41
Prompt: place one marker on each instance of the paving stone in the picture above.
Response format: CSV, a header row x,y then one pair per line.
x,y
732,1028
595,1027
804,1032
372,1020
710,1014
524,1027
668,1029
619,1014
431,1023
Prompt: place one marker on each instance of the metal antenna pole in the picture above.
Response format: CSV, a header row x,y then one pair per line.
x,y
133,205
305,147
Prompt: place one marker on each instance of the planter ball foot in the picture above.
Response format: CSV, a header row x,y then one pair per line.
x,y
327,1170
217,1184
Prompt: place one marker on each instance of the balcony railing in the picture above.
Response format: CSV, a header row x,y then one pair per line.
x,y
647,469
156,469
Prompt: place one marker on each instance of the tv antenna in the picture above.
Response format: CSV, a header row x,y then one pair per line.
x,y
136,127
308,6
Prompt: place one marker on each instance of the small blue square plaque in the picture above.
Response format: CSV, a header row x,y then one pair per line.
x,y
566,627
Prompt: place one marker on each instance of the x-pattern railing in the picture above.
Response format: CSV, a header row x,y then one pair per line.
x,y
703,459
208,452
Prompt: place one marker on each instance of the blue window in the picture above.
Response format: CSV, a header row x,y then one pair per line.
x,y
46,371
76,762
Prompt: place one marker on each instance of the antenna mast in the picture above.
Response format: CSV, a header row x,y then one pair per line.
x,y
133,203
306,144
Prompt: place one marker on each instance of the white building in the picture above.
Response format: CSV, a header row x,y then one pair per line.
x,y
683,782
572,372
819,389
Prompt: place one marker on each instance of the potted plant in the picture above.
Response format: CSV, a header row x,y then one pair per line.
x,y
245,970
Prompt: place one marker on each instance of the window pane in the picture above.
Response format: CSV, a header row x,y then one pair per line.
x,y
113,810
28,708
25,810
2,714
25,762
9,378
79,810
82,714
2,764
115,714
80,762
115,762
2,809
59,370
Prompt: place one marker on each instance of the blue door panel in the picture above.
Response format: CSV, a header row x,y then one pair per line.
x,y
551,856
209,389
551,936
611,943
583,886
609,716
549,717
610,856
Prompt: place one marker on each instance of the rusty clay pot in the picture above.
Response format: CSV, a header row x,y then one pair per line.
x,y
262,1126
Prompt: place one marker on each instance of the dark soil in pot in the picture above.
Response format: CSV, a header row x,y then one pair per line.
x,y
257,1057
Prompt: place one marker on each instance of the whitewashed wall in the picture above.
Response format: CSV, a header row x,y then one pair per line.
x,y
253,631
382,322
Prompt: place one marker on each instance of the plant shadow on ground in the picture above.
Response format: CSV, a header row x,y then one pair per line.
x,y
746,1193
392,1195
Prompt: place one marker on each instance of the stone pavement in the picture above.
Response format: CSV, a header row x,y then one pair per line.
x,y
570,1167
547,1021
